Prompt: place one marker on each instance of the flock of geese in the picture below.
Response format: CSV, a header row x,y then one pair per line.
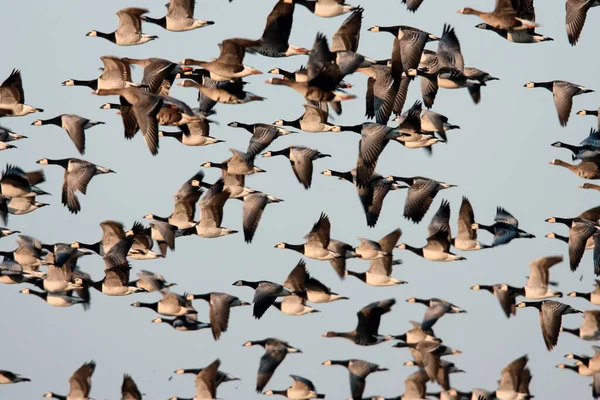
x,y
51,271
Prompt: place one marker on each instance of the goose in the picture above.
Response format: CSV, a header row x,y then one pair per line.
x,y
585,169
206,382
275,352
539,279
80,383
7,232
262,135
414,384
23,205
314,119
518,36
300,75
220,304
239,163
226,93
466,239
151,282
575,17
358,372
593,297
579,368
302,388
369,318
164,233
185,200
211,213
317,292
301,158
172,304
381,94
514,380
12,273
317,242
415,335
8,377
234,183
28,254
433,122
595,113
563,92
421,193
194,133
551,313
7,135
582,230
276,35
295,304
590,327
159,73
312,93
73,124
15,182
12,97
370,250
179,18
506,15
380,269
584,153
265,293
443,374
6,146
129,390
142,112
475,74
344,252
228,65
112,233
446,78
326,8
55,299
183,323
504,229
141,249
505,296
431,353
60,277
167,115
252,210
116,73
436,309
222,377
129,31
78,174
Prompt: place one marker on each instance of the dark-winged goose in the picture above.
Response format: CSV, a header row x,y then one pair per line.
x,y
80,383
317,242
295,304
326,8
8,377
265,293
551,313
275,352
505,15
220,304
563,96
252,210
420,195
12,97
302,388
590,327
436,309
116,73
15,182
301,159
262,135
172,304
505,228
179,18
129,31
505,296
575,17
466,239
358,372
112,233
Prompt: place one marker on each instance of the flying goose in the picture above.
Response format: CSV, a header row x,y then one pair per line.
x,y
6,135
276,35
317,292
344,251
194,133
116,73
563,96
78,174
504,229
211,213
430,353
302,388
8,377
575,17
595,113
514,380
206,382
414,384
13,273
446,78
151,282
112,233
234,183
593,297
381,92
220,304
222,377
80,383
275,352
433,122
326,8
421,193
369,318
183,323
228,65
347,36
358,372
370,250
585,169
301,159
539,279
29,253
159,73
505,296
221,92
172,304
129,31
239,163
12,97
23,205
142,112
580,233
380,269
56,299
60,277
15,182
507,15
584,153
516,36
141,249
295,304
265,293
466,239
252,210
312,93
442,376
317,242
73,124
262,135
164,233
129,390
415,335
314,119
6,146
436,309
551,313
179,18
590,327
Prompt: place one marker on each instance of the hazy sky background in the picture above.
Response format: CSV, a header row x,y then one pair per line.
x,y
499,157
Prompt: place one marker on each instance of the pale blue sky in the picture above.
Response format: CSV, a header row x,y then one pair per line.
x,y
499,157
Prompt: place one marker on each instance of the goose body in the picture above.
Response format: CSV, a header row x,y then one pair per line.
x,y
129,31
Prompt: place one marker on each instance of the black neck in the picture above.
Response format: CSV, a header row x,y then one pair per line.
x,y
152,306
92,83
251,284
307,3
418,251
52,121
194,371
41,295
571,331
547,85
282,152
205,296
176,135
93,247
564,221
340,362
294,124
422,301
360,275
158,21
108,36
391,29
408,181
62,162
296,247
58,396
280,392
248,127
352,128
